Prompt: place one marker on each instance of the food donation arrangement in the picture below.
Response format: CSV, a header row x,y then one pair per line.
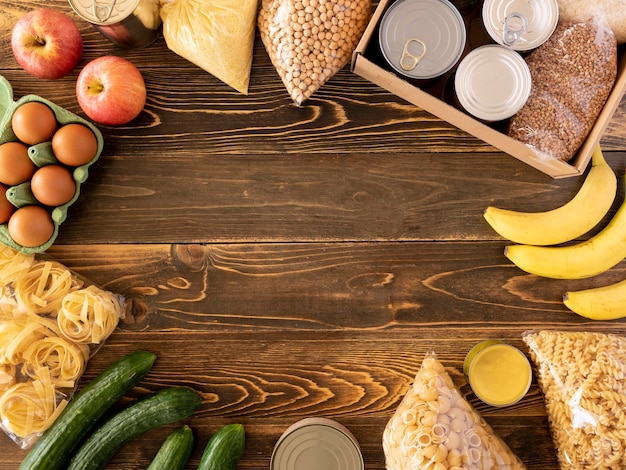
x,y
52,321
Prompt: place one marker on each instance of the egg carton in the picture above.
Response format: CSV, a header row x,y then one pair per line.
x,y
40,154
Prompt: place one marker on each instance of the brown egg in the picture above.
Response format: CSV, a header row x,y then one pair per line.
x,y
31,226
74,144
53,185
15,165
6,208
33,122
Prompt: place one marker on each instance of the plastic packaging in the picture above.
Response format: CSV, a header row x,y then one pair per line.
x,y
215,35
613,10
573,73
581,375
309,41
51,323
435,427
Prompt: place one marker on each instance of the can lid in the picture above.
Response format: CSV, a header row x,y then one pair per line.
x,y
492,82
520,24
422,39
104,12
317,444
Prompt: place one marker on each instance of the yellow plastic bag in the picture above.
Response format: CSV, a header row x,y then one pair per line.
x,y
215,35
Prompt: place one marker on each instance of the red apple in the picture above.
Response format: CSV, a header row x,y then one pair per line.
x,y
46,43
111,90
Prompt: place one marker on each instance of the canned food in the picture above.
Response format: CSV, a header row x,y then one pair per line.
x,y
317,444
520,24
422,39
499,373
492,82
126,23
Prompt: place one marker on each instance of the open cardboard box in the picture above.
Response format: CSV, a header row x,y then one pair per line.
x,y
372,67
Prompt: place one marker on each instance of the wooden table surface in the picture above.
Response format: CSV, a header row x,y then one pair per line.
x,y
288,262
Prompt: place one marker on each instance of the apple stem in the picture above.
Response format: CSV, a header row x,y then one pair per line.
x,y
95,88
40,40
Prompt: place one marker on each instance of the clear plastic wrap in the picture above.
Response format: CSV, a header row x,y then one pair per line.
x,y
583,378
573,73
613,10
51,323
435,428
215,35
309,41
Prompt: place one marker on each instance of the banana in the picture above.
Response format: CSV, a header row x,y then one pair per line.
x,y
565,223
589,258
600,303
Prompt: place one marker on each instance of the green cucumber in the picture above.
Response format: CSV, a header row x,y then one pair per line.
x,y
224,449
163,407
175,450
54,448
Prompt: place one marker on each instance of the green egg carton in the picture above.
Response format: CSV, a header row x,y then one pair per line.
x,y
40,154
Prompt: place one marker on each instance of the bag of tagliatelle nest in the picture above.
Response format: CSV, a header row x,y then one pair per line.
x,y
309,41
434,427
215,35
583,378
51,323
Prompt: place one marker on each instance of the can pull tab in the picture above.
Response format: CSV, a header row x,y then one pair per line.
x,y
409,60
103,9
514,26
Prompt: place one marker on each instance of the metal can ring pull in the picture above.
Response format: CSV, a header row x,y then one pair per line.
x,y
514,26
409,61
103,9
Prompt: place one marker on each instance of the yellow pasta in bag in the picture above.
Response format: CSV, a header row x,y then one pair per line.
x,y
434,427
215,35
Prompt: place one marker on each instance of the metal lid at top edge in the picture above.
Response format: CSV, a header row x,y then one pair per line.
x,y
104,12
492,82
317,444
422,39
520,24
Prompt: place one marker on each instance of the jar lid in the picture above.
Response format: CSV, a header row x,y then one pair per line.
x,y
520,24
317,444
422,39
492,82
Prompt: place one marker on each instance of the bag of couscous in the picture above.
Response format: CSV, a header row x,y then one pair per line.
x,y
215,35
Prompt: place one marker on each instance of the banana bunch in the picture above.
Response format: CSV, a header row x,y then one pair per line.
x,y
537,233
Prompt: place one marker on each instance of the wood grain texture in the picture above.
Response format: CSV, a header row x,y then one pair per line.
x,y
288,262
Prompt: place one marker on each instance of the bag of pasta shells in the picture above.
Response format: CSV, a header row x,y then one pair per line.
x,y
583,378
215,35
435,428
51,323
309,41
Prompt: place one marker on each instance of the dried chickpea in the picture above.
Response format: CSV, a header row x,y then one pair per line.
x,y
308,41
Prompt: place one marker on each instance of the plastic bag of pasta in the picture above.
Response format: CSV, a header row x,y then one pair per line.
x,y
583,378
309,41
51,323
215,35
434,427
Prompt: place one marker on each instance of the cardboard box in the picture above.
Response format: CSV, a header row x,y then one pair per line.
x,y
373,68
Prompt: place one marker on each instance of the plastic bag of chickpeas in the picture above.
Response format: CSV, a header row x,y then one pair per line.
x,y
215,35
434,427
309,41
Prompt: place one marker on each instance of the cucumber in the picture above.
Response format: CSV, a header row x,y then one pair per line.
x,y
175,450
224,449
163,407
54,448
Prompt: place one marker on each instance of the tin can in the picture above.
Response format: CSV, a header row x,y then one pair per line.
x,y
498,373
317,444
520,24
422,39
492,82
126,23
